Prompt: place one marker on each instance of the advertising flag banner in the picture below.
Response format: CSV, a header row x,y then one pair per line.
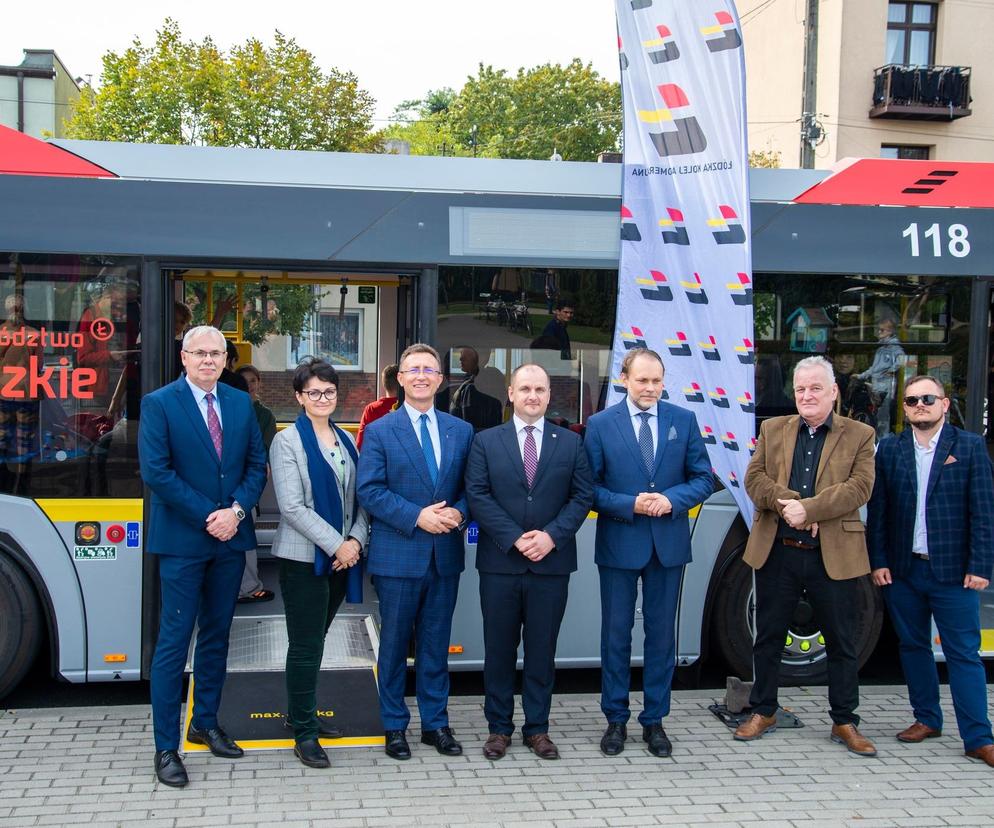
x,y
685,276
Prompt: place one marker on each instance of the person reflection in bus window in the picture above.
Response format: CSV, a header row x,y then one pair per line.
x,y
228,375
556,327
882,373
468,402
96,351
18,414
182,317
384,405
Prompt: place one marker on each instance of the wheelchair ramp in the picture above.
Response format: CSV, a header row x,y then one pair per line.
x,y
253,705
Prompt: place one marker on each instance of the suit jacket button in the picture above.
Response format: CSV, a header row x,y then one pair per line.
x,y
529,498
652,485
222,476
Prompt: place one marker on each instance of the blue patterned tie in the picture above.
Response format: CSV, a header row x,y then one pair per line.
x,y
428,447
645,441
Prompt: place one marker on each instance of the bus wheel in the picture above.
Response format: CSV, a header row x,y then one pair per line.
x,y
20,625
804,658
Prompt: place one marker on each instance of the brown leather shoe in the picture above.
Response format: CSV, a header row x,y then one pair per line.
x,y
755,726
918,732
855,742
496,746
542,746
985,754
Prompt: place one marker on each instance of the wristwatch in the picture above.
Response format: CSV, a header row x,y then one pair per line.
x,y
239,511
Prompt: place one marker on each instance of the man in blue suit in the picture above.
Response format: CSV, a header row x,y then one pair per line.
x,y
203,458
931,539
650,468
410,480
528,487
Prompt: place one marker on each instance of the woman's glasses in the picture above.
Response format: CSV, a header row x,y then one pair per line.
x,y
314,395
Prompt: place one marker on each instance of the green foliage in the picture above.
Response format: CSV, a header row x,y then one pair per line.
x,y
768,159
568,109
180,92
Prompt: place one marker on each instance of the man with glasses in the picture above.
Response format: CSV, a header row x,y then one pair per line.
x,y
202,456
410,480
931,536
811,473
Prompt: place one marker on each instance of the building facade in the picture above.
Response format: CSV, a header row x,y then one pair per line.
x,y
36,96
908,79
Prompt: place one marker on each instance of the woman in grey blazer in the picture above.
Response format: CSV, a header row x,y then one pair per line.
x,y
321,533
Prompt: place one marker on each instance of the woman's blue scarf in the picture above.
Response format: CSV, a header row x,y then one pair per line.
x,y
327,502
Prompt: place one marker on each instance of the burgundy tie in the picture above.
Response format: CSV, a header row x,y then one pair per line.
x,y
531,455
214,425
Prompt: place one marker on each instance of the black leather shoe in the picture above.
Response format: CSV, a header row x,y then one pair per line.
x,y
655,737
443,741
613,740
324,731
220,743
311,754
396,746
169,769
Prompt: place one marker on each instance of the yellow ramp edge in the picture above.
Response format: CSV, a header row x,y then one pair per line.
x,y
72,509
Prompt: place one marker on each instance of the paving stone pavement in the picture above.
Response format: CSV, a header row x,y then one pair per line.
x,y
94,766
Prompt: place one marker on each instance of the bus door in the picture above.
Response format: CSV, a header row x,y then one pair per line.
x,y
984,421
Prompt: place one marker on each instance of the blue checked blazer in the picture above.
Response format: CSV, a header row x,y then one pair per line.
x,y
393,485
959,507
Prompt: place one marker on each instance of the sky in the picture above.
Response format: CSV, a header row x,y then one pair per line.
x,y
399,49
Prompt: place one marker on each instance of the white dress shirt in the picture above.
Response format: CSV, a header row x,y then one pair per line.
x,y
519,430
415,416
924,455
633,412
200,397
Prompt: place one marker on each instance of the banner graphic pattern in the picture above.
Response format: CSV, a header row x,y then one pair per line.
x,y
685,276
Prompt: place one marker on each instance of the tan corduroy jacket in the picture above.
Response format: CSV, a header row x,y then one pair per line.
x,y
843,484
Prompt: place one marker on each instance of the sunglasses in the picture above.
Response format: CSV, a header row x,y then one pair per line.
x,y
927,399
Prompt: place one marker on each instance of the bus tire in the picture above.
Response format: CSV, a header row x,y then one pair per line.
x,y
21,625
732,630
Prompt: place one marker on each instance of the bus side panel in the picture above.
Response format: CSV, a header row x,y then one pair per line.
x,y
36,537
713,522
109,572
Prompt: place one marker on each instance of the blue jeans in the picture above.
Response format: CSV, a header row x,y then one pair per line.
x,y
913,601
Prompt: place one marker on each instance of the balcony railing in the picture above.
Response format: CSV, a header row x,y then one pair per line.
x,y
922,93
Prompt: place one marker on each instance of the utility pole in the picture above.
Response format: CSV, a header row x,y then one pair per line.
x,y
809,94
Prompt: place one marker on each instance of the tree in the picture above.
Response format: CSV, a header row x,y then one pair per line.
x,y
181,92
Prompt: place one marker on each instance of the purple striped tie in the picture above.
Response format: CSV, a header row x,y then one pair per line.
x,y
214,425
531,455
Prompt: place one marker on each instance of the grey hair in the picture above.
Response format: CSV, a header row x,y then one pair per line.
x,y
199,330
816,362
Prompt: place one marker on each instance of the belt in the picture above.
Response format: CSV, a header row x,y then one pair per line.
x,y
796,544
920,555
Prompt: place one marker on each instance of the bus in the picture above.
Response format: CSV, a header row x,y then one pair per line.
x,y
352,257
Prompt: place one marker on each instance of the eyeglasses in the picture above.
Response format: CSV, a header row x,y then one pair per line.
x,y
213,356
422,370
314,395
927,399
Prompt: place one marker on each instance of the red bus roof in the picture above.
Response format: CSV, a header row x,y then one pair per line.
x,y
21,154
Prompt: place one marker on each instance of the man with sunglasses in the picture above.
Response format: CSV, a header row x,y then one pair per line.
x,y
410,480
931,538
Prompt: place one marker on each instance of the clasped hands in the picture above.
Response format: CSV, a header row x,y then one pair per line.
x,y
797,516
535,544
222,524
439,518
346,555
652,504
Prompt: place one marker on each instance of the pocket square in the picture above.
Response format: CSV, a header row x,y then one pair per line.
x,y
950,459
672,434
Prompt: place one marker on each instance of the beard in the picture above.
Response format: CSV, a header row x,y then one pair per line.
x,y
925,425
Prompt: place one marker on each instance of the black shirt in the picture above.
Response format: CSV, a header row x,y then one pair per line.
x,y
803,470
557,330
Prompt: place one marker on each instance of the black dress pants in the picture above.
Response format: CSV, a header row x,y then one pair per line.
x,y
531,606
779,584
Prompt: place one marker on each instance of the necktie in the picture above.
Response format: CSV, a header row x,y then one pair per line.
x,y
645,441
428,447
531,455
214,425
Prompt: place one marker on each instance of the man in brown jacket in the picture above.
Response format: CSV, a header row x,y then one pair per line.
x,y
811,473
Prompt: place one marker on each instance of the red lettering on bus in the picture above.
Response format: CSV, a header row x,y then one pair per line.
x,y
76,384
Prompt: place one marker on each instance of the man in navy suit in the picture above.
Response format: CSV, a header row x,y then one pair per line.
x,y
203,458
931,539
528,487
650,469
410,480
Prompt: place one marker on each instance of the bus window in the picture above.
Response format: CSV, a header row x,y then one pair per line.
x,y
878,331
491,320
69,376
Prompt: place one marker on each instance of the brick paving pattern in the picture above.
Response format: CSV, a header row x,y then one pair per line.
x,y
94,766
